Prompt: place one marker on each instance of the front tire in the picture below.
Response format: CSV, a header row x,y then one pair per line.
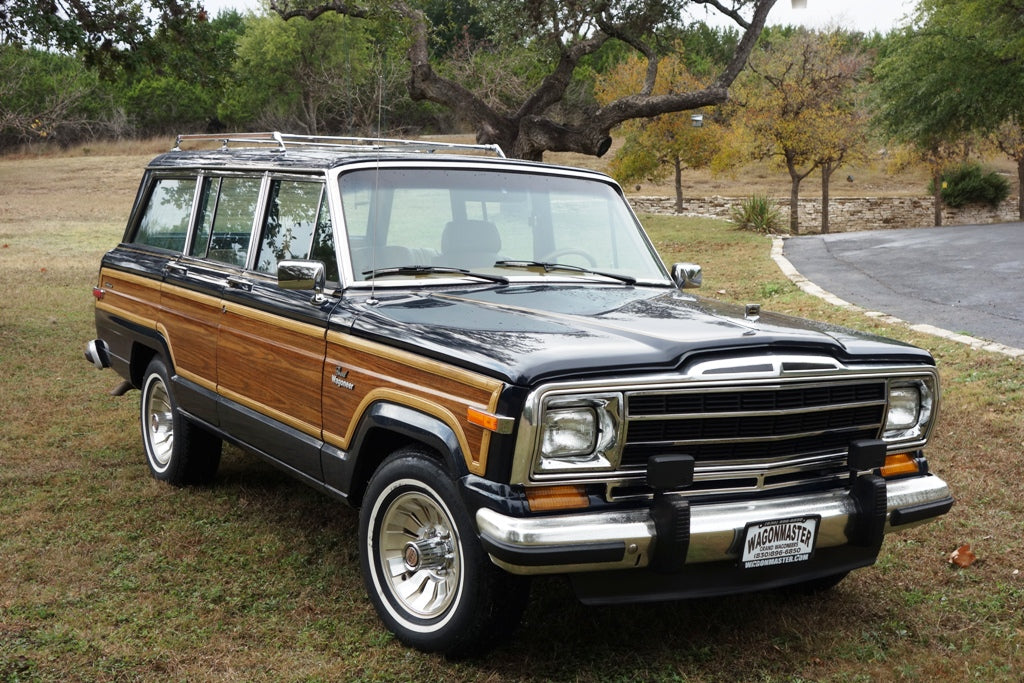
x,y
177,450
424,568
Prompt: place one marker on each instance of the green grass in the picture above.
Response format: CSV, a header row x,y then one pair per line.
x,y
106,575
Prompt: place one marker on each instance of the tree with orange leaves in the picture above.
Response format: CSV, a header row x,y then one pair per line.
x,y
654,147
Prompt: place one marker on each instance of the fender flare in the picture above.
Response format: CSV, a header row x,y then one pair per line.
x,y
349,473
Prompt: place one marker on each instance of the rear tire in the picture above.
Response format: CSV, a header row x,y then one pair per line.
x,y
424,568
177,450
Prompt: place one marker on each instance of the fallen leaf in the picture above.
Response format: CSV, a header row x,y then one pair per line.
x,y
963,556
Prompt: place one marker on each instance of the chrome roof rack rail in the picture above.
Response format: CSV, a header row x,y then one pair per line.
x,y
284,141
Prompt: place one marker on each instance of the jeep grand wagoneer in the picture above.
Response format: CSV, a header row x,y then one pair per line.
x,y
488,358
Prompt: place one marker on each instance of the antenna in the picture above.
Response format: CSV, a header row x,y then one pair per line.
x,y
375,201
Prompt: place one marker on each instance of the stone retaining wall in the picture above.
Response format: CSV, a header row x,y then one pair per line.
x,y
846,214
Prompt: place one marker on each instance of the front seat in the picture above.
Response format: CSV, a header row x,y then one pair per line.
x,y
469,244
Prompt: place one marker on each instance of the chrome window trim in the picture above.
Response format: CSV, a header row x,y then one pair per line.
x,y
349,281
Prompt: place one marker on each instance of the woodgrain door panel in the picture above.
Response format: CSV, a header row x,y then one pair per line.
x,y
190,317
359,372
272,364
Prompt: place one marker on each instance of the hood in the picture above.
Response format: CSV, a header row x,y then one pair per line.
x,y
524,334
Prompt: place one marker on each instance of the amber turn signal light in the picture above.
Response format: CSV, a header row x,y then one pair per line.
x,y
897,464
556,498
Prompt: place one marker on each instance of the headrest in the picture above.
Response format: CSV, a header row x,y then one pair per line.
x,y
470,236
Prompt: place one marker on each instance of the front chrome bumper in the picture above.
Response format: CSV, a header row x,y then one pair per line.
x,y
603,541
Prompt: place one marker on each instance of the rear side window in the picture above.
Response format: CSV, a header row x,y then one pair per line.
x,y
227,209
164,222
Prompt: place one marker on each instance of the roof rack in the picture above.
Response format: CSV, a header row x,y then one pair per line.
x,y
285,140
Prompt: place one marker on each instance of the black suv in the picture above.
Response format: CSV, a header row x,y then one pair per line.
x,y
490,360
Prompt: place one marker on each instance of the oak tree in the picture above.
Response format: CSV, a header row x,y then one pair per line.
x,y
561,35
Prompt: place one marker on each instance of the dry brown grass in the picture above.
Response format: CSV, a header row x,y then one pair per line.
x,y
106,575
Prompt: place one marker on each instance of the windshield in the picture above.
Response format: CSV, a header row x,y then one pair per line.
x,y
513,224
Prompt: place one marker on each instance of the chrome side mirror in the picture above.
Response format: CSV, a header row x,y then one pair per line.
x,y
303,275
687,275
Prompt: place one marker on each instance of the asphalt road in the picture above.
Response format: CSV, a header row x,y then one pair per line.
x,y
964,279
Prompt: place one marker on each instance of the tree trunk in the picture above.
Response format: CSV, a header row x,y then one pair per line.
x,y
794,206
826,177
794,193
679,183
1020,188
937,184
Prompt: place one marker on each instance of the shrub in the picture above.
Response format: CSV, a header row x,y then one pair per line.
x,y
969,183
757,213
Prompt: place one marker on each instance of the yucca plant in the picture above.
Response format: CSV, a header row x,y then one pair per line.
x,y
757,213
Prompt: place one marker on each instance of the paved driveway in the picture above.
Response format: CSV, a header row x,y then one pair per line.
x,y
965,279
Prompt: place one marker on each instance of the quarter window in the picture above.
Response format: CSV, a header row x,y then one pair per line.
x,y
164,222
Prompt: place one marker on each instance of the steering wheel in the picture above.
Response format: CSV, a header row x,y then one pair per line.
x,y
557,254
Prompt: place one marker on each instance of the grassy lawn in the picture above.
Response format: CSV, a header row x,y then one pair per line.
x,y
106,575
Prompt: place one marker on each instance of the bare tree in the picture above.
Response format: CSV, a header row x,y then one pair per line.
x,y
572,30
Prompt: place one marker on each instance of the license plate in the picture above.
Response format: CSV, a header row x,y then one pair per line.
x,y
780,541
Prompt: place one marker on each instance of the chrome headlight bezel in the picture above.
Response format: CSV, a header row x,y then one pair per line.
x,y
911,407
579,433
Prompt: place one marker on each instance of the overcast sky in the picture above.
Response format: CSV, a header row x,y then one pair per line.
x,y
860,15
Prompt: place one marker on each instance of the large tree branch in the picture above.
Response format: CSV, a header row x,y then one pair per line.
x,y
731,12
746,44
350,9
528,132
641,46
552,88
646,106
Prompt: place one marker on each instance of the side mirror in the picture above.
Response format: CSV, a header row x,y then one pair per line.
x,y
303,275
687,275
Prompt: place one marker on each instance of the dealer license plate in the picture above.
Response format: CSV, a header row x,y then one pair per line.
x,y
780,541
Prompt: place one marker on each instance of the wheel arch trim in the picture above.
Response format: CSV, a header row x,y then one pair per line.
x,y
406,416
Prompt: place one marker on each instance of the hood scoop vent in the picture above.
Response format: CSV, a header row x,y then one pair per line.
x,y
763,366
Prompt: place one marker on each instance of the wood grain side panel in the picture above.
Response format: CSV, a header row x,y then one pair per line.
x,y
358,372
272,365
190,321
130,297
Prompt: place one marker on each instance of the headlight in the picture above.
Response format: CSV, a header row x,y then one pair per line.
x,y
569,432
580,433
911,407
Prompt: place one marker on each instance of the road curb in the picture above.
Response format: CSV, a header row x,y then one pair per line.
x,y
809,287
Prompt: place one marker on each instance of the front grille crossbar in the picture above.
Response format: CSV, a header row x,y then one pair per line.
x,y
756,437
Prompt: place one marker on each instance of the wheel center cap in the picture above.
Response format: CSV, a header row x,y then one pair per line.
x,y
412,556
430,553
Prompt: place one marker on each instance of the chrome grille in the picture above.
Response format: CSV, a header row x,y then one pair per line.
x,y
756,437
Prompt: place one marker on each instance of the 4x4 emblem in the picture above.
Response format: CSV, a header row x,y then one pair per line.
x,y
338,378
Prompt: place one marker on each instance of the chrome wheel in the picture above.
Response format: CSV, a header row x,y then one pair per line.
x,y
424,568
419,554
159,424
177,450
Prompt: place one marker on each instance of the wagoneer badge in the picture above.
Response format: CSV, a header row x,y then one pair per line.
x,y
339,378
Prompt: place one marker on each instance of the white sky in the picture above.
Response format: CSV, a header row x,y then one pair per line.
x,y
860,15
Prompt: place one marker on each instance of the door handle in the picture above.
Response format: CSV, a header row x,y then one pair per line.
x,y
236,282
179,269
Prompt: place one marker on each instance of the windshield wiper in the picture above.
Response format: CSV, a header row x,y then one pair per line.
x,y
433,270
548,267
